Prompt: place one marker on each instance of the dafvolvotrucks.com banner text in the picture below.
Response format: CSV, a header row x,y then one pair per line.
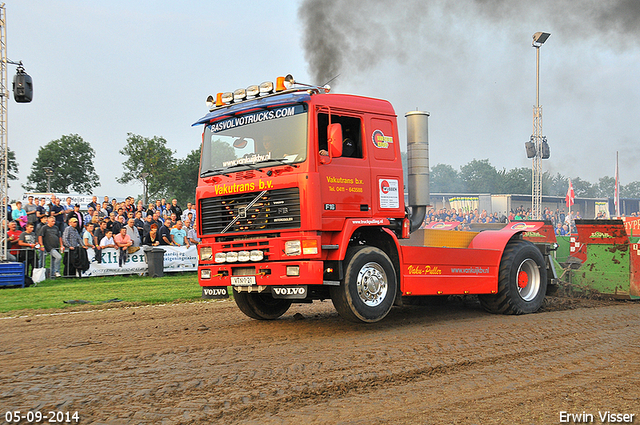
x,y
176,258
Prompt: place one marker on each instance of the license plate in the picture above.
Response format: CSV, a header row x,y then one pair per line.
x,y
243,280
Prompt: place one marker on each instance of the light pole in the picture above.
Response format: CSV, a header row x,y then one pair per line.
x,y
49,172
536,187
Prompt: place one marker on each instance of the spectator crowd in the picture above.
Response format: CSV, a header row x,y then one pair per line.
x,y
65,231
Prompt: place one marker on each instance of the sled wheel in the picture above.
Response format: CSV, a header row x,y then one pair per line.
x,y
522,281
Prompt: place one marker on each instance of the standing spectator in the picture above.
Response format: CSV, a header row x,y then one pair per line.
x,y
94,203
40,208
150,210
139,223
185,213
68,206
123,242
165,232
57,211
88,216
73,242
19,215
51,241
179,235
89,241
107,241
118,224
78,216
27,242
152,238
192,235
13,235
104,210
31,210
132,232
99,232
175,208
148,222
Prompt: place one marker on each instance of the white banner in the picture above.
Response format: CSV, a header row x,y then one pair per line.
x,y
176,258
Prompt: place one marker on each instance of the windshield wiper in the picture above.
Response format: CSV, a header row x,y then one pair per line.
x,y
210,172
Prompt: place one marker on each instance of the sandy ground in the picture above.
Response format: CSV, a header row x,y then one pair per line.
x,y
206,363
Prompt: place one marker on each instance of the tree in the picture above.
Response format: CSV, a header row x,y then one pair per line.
x,y
479,176
516,180
631,190
605,187
583,188
12,166
71,159
185,178
444,179
152,157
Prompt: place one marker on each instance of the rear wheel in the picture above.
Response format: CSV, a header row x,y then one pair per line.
x,y
260,306
367,292
522,281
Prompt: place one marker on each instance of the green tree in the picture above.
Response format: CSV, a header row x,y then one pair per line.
x,y
71,159
606,187
583,188
631,190
444,178
516,180
149,161
479,176
12,166
185,178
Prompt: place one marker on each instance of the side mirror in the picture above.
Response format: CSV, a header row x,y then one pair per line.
x,y
334,140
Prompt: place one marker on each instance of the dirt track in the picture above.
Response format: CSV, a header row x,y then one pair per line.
x,y
207,363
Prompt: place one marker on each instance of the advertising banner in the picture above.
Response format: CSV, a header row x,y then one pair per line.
x,y
176,258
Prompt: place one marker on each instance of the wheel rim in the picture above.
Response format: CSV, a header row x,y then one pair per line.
x,y
528,277
372,284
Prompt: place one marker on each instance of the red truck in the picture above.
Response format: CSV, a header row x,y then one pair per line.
x,y
301,197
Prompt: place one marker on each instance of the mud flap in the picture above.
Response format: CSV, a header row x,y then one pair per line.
x,y
289,292
214,292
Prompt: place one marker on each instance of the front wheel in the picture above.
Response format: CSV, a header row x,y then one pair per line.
x,y
522,281
368,290
260,306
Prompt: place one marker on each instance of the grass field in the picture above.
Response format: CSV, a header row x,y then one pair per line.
x,y
52,294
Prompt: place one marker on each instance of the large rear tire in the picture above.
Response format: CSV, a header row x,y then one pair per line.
x,y
260,306
368,290
522,281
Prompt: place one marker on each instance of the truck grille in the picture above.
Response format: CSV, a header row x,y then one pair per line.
x,y
275,209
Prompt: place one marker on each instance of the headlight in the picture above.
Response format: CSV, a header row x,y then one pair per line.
x,y
243,256
206,253
221,257
232,257
292,247
205,274
256,255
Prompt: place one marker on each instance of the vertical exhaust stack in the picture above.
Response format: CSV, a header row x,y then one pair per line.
x,y
418,153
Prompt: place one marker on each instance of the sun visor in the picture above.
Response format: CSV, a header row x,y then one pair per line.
x,y
258,103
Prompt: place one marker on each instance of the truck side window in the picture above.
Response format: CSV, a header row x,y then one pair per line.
x,y
351,134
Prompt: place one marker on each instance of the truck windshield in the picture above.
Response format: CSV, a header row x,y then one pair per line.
x,y
255,140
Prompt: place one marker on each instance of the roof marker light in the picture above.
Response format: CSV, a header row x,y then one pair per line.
x,y
227,97
239,95
253,90
266,87
280,84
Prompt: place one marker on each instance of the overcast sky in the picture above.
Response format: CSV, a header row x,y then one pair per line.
x,y
104,69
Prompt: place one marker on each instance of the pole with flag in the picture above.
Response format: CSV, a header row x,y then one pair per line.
x,y
616,191
570,196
